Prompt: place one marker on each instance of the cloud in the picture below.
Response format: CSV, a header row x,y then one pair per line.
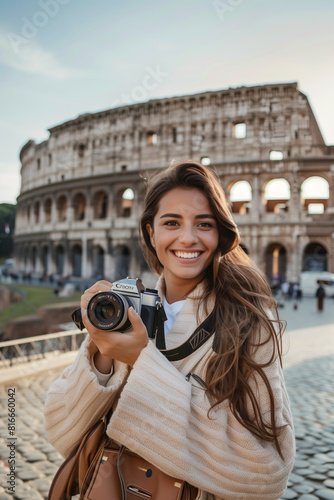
x,y
27,56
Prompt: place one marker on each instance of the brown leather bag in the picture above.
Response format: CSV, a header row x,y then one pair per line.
x,y
101,470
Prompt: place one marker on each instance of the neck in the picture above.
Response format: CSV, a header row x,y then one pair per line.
x,y
179,289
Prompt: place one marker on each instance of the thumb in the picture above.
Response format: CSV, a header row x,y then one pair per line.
x,y
133,315
135,319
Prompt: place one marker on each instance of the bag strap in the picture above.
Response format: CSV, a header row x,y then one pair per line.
x,y
120,473
202,333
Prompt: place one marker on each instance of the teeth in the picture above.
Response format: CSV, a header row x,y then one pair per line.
x,y
187,255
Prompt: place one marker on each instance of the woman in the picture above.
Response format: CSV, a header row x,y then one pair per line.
x,y
233,439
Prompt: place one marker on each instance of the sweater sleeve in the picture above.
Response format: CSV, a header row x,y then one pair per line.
x,y
77,399
164,418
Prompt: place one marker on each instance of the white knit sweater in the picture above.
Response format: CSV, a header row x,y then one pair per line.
x,y
164,418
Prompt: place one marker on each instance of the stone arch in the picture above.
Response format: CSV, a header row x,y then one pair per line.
x,y
276,195
122,261
124,202
276,263
79,205
100,202
76,260
98,262
152,138
47,208
33,258
36,212
45,259
240,194
62,203
25,256
60,259
315,194
315,257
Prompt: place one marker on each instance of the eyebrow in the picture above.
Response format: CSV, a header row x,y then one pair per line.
x,y
178,216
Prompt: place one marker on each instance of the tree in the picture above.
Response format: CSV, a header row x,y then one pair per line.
x,y
7,225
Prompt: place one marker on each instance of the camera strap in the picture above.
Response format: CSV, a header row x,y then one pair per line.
x,y
202,333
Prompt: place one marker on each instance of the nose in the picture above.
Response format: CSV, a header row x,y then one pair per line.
x,y
188,235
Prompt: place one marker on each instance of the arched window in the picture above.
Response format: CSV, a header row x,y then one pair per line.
x,y
25,257
277,195
60,259
152,138
239,130
315,194
100,205
47,210
45,259
81,150
62,208
76,260
240,197
276,263
98,262
315,257
205,160
79,206
33,258
125,202
36,212
275,155
122,262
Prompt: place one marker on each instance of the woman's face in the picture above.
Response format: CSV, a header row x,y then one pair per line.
x,y
185,235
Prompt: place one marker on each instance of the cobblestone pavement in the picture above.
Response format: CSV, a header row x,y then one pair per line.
x,y
309,374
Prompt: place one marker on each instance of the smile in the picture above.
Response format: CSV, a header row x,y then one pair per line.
x,y
186,255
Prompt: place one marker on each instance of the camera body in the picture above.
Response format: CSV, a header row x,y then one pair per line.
x,y
109,310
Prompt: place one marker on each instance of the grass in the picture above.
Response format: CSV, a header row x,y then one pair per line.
x,y
33,298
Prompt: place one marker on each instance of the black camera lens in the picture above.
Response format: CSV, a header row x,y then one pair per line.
x,y
109,311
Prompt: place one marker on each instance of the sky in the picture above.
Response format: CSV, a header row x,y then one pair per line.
x,y
63,58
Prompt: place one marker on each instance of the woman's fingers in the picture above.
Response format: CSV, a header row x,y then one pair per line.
x,y
99,286
125,346
85,298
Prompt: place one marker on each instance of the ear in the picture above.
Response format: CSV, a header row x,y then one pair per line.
x,y
149,229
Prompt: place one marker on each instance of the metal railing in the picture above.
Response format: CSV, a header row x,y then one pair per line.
x,y
18,351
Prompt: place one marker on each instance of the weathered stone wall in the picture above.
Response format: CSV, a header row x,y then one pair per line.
x,y
75,218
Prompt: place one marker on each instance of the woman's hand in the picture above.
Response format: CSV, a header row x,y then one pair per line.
x,y
124,347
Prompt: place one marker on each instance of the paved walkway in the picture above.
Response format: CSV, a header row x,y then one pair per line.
x,y
309,373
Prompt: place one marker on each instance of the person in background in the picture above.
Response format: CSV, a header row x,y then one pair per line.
x,y
285,289
320,294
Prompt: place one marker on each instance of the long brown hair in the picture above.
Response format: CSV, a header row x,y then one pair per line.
x,y
242,310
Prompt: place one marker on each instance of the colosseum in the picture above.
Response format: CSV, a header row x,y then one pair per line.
x,y
82,189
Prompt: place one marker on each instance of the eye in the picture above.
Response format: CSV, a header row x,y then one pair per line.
x,y
171,223
206,224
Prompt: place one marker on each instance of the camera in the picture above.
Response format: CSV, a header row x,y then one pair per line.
x,y
109,310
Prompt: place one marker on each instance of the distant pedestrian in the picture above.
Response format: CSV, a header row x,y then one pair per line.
x,y
295,290
320,294
285,289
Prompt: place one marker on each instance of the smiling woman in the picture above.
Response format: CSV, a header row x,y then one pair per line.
x,y
185,238
216,416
